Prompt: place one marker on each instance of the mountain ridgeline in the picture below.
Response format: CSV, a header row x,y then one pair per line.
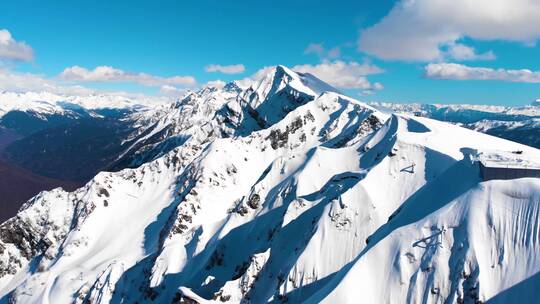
x,y
284,191
519,124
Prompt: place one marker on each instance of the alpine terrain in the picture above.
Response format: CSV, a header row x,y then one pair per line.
x,y
281,191
519,124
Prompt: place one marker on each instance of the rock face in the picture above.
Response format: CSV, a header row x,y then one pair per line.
x,y
284,193
217,113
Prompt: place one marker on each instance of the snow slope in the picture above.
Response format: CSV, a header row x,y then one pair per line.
x,y
215,113
322,199
520,124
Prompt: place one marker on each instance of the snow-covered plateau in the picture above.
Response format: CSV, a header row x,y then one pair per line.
x,y
284,192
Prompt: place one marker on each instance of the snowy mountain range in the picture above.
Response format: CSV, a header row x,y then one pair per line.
x,y
285,191
48,103
520,124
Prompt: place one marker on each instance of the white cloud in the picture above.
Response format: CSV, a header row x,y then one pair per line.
x,y
315,48
378,86
319,50
23,82
340,74
427,30
216,83
169,90
13,81
463,52
345,75
11,49
334,52
456,71
373,90
110,74
225,69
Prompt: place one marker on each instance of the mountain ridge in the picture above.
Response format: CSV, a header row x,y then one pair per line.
x,y
329,200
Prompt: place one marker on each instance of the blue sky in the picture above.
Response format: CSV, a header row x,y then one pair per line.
x,y
373,50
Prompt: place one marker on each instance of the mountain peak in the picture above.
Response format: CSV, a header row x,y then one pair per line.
x,y
321,190
232,87
283,70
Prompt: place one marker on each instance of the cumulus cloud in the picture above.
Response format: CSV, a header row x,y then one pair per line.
x,y
463,52
345,75
340,74
11,49
170,90
216,83
13,81
427,30
225,69
457,71
110,74
319,50
24,82
373,90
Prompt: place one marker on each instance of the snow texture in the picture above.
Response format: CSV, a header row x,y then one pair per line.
x,y
285,191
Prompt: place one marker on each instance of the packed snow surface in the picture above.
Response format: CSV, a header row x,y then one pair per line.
x,y
286,193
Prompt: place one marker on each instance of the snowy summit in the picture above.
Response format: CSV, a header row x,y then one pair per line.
x,y
285,191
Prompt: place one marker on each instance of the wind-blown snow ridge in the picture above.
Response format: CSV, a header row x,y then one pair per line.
x,y
520,124
284,193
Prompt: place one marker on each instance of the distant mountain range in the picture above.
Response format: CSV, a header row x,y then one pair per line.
x,y
282,191
519,124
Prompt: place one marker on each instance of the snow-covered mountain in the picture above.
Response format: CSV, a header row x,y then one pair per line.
x,y
286,191
68,137
520,124
465,113
212,113
49,140
48,103
29,112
